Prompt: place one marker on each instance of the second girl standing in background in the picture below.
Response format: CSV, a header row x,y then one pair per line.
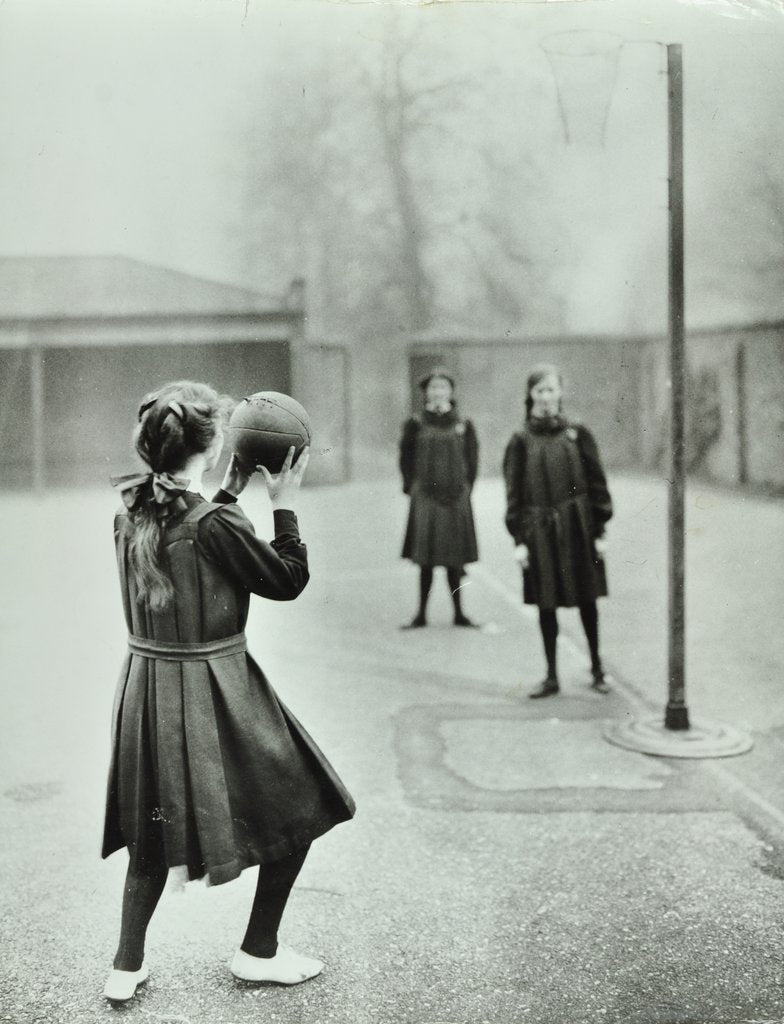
x,y
439,456
557,507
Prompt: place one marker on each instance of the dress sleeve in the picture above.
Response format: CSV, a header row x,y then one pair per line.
x,y
598,494
471,452
407,460
224,497
277,570
514,478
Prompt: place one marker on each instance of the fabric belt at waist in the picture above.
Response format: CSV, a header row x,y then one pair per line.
x,y
574,499
169,650
550,515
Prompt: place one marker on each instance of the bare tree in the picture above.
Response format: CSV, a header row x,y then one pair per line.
x,y
743,244
390,184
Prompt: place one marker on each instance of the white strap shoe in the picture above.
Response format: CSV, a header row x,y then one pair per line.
x,y
287,967
121,985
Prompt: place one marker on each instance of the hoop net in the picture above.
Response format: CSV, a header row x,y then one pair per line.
x,y
584,64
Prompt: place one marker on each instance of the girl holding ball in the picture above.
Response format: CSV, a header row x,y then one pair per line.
x,y
557,507
210,773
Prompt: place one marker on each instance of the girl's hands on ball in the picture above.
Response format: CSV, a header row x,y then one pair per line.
x,y
237,475
283,487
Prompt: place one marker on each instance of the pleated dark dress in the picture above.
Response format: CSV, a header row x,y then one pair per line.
x,y
438,462
557,505
209,769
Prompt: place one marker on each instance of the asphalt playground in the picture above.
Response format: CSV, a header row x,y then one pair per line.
x,y
507,864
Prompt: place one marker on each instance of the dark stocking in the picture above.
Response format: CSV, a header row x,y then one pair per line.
x,y
425,583
453,577
589,614
140,898
548,623
272,892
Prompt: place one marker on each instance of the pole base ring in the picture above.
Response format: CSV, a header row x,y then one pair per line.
x,y
702,739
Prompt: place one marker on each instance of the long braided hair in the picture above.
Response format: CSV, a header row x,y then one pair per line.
x,y
177,421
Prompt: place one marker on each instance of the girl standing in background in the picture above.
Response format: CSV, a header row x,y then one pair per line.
x,y
439,457
557,507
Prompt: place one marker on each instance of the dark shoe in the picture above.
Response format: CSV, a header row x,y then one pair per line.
x,y
416,623
546,689
463,620
599,683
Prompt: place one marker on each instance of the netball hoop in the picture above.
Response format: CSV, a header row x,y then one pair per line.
x,y
584,65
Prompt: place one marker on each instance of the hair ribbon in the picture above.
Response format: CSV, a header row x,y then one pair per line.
x,y
167,490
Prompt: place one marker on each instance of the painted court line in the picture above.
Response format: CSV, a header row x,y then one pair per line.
x,y
528,612
732,782
512,597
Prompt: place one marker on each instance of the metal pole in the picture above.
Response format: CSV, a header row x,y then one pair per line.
x,y
676,736
743,415
37,416
677,714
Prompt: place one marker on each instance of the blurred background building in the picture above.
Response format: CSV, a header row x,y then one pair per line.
x,y
417,168
83,338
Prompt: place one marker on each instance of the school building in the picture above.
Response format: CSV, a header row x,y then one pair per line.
x,y
82,338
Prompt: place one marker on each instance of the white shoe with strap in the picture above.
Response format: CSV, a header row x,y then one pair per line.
x,y
287,967
121,985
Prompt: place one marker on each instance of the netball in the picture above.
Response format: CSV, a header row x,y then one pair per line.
x,y
265,425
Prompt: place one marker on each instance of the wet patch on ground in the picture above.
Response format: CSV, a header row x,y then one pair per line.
x,y
506,758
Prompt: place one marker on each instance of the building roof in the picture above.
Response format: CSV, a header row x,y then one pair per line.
x,y
77,287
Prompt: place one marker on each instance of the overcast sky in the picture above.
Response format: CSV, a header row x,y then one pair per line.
x,y
122,120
